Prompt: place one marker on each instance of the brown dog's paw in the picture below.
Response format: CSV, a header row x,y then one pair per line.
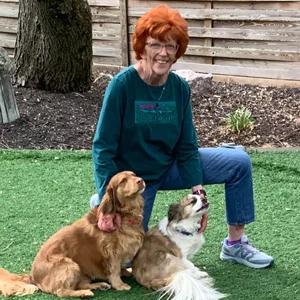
x,y
103,286
86,293
123,287
74,293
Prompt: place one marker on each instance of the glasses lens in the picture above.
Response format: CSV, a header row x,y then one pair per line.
x,y
170,48
155,46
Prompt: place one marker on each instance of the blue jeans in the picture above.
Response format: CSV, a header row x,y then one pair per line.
x,y
231,167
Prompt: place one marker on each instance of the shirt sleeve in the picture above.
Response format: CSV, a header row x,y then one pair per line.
x,y
107,134
187,155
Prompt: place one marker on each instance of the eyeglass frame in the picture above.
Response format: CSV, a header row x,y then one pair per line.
x,y
161,45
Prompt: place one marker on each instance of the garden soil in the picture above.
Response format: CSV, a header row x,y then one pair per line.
x,y
67,121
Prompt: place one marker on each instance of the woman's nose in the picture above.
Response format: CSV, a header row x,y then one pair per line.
x,y
163,50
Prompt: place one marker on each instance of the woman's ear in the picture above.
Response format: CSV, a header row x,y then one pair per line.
x,y
143,54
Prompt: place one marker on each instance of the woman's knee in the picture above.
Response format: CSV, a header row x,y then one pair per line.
x,y
244,158
243,164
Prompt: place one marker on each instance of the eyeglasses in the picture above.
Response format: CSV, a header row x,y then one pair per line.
x,y
156,47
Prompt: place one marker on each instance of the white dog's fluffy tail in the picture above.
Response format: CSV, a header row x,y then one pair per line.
x,y
186,285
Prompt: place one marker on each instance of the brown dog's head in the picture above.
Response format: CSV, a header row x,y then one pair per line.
x,y
122,192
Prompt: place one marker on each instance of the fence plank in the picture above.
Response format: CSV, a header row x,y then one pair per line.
x,y
8,25
245,34
258,5
174,4
107,52
208,41
9,10
105,60
286,46
107,35
274,64
261,54
7,40
104,3
105,16
230,14
124,33
240,71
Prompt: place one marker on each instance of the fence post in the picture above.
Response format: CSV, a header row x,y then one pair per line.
x,y
124,33
8,106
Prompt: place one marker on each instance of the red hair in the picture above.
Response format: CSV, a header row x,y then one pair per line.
x,y
161,23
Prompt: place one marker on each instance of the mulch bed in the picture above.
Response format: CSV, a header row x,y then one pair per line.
x,y
67,121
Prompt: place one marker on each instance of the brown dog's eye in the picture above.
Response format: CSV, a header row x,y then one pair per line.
x,y
123,180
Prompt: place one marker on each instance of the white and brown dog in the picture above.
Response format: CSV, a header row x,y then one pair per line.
x,y
163,261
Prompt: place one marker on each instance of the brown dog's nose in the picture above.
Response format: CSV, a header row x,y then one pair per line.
x,y
139,180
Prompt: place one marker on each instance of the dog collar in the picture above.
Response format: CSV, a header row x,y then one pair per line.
x,y
131,221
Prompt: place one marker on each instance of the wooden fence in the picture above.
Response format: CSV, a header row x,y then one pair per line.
x,y
258,39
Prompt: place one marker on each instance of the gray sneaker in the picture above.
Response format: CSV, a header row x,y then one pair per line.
x,y
244,253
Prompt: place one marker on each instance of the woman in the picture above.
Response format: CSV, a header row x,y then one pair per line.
x,y
146,126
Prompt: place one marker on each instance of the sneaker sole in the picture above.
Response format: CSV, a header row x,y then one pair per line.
x,y
238,260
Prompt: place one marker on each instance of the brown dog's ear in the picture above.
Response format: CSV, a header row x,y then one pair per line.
x,y
174,212
107,205
109,201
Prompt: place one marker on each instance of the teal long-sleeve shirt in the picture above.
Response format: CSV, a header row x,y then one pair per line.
x,y
144,129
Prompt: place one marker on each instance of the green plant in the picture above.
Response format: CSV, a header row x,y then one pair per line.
x,y
240,119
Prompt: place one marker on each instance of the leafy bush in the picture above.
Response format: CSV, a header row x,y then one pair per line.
x,y
239,120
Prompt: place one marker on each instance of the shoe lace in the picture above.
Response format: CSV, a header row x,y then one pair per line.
x,y
249,247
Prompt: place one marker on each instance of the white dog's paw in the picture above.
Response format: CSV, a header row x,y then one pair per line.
x,y
200,274
205,278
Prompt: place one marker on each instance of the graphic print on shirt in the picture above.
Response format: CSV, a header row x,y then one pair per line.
x,y
162,112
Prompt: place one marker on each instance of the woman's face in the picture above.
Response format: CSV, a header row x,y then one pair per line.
x,y
158,56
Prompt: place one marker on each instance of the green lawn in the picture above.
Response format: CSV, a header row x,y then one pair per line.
x,y
41,191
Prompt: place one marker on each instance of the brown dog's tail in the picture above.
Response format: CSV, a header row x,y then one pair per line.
x,y
13,284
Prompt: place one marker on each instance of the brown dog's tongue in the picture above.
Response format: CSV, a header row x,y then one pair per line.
x,y
109,222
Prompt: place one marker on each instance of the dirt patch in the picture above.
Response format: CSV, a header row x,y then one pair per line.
x,y
67,121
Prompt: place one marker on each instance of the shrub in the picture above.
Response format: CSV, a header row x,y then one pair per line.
x,y
239,120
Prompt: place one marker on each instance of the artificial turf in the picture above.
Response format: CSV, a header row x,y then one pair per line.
x,y
41,191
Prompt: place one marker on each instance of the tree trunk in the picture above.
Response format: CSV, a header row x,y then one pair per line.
x,y
54,45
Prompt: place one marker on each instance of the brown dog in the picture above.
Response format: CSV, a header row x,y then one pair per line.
x,y
80,252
